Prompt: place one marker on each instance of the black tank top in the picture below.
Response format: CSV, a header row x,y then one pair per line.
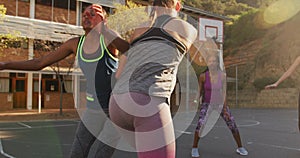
x,y
98,69
156,32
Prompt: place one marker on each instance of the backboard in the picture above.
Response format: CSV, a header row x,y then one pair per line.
x,y
210,28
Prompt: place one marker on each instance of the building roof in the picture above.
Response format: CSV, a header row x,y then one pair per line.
x,y
107,3
192,11
50,70
39,29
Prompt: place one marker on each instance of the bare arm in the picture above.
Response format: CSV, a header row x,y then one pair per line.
x,y
120,44
114,39
225,105
121,66
201,81
114,51
285,75
200,49
38,63
224,84
182,31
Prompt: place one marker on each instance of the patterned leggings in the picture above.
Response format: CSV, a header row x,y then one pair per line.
x,y
225,114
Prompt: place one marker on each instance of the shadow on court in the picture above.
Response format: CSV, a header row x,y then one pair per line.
x,y
264,132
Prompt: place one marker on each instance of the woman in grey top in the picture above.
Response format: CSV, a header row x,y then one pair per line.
x,y
138,105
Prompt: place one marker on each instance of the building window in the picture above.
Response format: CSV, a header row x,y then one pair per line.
x,y
68,83
68,86
4,85
20,85
36,76
21,75
62,11
16,7
50,76
35,86
52,85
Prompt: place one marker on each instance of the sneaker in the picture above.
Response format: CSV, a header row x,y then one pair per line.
x,y
242,151
195,153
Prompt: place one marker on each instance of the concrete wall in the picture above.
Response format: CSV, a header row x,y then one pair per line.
x,y
274,98
278,98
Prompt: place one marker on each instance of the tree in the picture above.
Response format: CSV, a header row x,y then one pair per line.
x,y
9,39
14,40
222,7
127,17
193,3
257,3
2,12
42,46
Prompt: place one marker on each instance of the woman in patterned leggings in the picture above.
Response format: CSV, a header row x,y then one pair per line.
x,y
212,90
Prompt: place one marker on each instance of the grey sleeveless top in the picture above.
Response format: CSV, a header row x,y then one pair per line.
x,y
98,69
152,62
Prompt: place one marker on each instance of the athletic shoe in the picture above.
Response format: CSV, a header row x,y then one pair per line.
x,y
242,151
195,153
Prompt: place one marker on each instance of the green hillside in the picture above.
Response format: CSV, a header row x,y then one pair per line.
x,y
261,41
261,49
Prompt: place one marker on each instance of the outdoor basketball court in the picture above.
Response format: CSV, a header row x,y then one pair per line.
x,y
264,132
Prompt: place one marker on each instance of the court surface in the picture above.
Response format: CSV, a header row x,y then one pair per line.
x,y
264,132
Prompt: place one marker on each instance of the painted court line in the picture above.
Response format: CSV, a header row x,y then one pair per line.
x,y
250,124
2,151
253,123
23,124
278,146
184,132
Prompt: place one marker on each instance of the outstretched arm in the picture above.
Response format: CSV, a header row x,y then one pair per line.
x,y
224,96
38,63
224,89
287,74
200,93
